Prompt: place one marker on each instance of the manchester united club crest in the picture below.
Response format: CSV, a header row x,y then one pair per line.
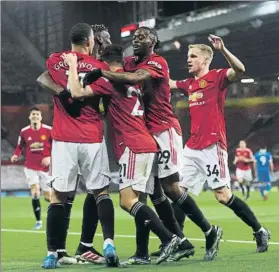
x,y
202,84
43,137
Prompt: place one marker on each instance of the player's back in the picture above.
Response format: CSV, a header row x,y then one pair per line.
x,y
157,97
263,161
126,118
75,120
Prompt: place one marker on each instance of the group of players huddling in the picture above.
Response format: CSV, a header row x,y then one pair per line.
x,y
147,143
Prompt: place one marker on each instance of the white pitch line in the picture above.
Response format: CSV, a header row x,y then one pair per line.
x,y
131,236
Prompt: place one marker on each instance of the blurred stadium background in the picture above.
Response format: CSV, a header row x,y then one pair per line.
x,y
31,31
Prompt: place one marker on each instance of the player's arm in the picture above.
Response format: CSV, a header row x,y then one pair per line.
x,y
45,81
47,152
19,148
137,77
237,67
173,85
235,160
75,85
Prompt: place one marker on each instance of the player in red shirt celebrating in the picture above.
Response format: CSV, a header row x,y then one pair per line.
x,y
151,71
243,158
36,140
85,251
77,144
205,153
134,146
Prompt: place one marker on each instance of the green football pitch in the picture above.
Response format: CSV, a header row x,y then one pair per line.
x,y
24,249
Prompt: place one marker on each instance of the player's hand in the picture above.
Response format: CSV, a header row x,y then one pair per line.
x,y
14,158
70,58
92,77
217,42
45,161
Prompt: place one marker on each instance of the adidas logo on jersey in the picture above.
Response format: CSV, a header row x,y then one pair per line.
x,y
29,139
166,168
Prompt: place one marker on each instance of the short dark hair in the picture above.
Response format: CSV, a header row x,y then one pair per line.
x,y
98,28
80,33
112,53
154,33
34,108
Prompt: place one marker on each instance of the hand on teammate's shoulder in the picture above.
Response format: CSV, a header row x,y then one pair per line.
x,y
92,76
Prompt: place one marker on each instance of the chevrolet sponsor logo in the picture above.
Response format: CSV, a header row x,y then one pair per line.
x,y
195,96
36,145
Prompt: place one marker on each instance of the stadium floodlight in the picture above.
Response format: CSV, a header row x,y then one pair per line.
x,y
247,80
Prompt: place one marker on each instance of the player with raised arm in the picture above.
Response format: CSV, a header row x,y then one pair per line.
x,y
151,71
263,165
205,153
85,251
78,144
36,140
243,159
126,116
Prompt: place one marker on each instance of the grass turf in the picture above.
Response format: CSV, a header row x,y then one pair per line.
x,y
25,251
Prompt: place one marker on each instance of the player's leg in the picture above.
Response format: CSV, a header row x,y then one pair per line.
x,y
248,180
261,189
180,218
170,164
64,172
34,184
94,156
85,251
35,193
239,177
166,214
164,209
220,183
47,195
194,174
45,181
267,189
141,255
265,179
179,215
135,178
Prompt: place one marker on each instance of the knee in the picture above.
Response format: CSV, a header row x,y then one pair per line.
x,y
223,195
143,198
127,204
35,191
47,196
57,197
172,190
99,192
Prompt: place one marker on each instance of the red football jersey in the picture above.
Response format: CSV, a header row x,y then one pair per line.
x,y
247,154
75,120
126,118
156,93
37,145
207,102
